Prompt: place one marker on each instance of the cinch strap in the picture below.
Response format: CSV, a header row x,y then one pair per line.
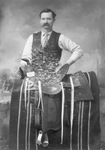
x,y
72,110
62,111
25,91
27,117
18,125
29,131
89,114
79,114
28,107
81,127
40,96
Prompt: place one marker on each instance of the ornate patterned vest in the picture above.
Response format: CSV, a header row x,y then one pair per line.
x,y
45,60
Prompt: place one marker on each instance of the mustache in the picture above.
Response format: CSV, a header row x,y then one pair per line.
x,y
45,24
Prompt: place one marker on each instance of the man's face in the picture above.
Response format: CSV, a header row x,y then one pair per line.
x,y
47,20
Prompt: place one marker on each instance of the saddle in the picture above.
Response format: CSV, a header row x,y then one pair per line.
x,y
49,113
80,82
53,109
52,86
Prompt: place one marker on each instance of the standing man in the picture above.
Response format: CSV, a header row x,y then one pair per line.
x,y
43,50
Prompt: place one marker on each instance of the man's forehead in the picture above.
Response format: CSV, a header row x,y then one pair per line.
x,y
46,14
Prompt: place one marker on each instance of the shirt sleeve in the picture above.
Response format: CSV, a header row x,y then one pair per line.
x,y
67,44
27,51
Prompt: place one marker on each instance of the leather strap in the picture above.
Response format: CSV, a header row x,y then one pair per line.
x,y
62,112
72,110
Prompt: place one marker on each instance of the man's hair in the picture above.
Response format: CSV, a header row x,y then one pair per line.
x,y
47,10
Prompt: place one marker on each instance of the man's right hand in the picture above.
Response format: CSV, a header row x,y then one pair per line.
x,y
20,73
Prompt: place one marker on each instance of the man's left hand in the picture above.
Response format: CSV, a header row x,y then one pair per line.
x,y
57,68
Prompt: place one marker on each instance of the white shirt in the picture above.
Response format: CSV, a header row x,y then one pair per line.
x,y
64,43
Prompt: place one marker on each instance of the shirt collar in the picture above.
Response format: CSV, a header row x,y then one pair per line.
x,y
43,34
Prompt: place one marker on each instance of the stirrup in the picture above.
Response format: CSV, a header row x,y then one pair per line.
x,y
39,138
45,142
